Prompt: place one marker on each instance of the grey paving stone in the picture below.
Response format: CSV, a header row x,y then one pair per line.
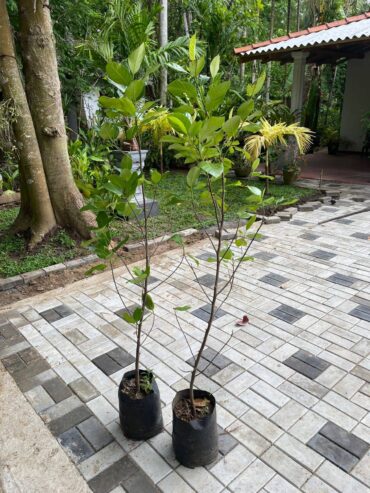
x,y
75,336
272,219
333,452
84,389
341,279
210,369
205,256
57,389
11,282
139,483
329,209
287,313
39,399
77,446
284,216
50,315
322,254
345,440
361,236
72,418
129,309
106,364
204,312
362,312
361,372
122,357
14,363
265,255
343,221
63,310
303,368
10,349
309,236
217,359
273,279
305,207
226,442
207,280
95,433
312,360
116,474
29,354
24,376
7,330
361,301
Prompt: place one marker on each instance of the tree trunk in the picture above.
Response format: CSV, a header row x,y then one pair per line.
x,y
163,39
268,78
36,213
44,98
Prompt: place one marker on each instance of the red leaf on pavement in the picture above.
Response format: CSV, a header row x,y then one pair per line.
x,y
243,321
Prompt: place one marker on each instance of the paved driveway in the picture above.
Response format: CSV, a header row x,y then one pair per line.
x,y
293,387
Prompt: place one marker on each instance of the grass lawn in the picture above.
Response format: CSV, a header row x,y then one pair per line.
x,y
14,258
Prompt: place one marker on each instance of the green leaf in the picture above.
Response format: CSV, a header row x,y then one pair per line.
x,y
216,95
192,176
245,109
213,169
226,254
250,222
155,176
118,73
231,126
240,242
135,59
95,268
180,87
177,67
177,239
135,90
123,105
183,308
138,312
254,89
254,190
126,162
108,131
177,124
196,66
128,318
149,303
192,47
215,66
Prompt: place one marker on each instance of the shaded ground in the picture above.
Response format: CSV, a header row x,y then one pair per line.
x,y
342,168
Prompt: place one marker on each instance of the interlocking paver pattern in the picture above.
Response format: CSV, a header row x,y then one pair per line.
x,y
297,426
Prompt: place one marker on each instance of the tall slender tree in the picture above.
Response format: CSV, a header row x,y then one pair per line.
x,y
36,213
271,33
163,40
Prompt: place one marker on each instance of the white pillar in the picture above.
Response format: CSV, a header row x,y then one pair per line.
x,y
299,58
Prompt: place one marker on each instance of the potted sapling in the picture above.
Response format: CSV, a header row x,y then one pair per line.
x,y
207,140
115,202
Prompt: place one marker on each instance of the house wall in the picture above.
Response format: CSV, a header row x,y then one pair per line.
x,y
356,101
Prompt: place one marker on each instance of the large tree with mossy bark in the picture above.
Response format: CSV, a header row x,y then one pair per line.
x,y
49,196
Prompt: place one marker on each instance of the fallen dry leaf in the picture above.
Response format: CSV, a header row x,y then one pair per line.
x,y
243,321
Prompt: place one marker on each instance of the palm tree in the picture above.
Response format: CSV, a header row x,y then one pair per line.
x,y
269,135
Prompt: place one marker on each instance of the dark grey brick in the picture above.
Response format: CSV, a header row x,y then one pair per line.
x,y
73,418
106,364
205,256
217,359
309,236
122,357
95,433
77,447
287,313
152,279
29,354
57,389
14,363
50,315
303,368
362,312
139,483
210,369
274,279
7,330
341,279
23,376
312,360
63,310
332,452
116,474
345,440
361,236
204,312
265,255
343,221
226,442
208,280
322,254
298,222
360,301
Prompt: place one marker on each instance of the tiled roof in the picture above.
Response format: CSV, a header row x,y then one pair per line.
x,y
349,28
